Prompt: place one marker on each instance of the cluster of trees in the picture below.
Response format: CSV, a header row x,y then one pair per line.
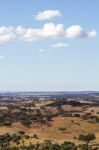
x,y
7,139
61,102
25,117
18,140
89,116
28,116
86,116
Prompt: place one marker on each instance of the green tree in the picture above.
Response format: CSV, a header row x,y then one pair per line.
x,y
87,138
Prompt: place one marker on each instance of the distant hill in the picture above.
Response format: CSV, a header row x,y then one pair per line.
x,y
52,94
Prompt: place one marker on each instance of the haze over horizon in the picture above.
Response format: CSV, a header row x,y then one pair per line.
x,y
49,45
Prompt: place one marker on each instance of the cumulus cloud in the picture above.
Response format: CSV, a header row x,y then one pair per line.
x,y
48,30
59,45
47,14
51,30
6,34
28,34
76,31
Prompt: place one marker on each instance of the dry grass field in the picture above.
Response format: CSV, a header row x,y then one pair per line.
x,y
68,121
73,127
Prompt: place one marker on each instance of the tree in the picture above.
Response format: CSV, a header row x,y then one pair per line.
x,y
35,136
68,146
55,147
87,138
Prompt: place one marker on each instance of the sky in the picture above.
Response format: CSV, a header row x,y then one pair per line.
x,y
49,45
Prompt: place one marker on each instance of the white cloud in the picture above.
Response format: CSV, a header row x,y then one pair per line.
x,y
6,34
59,45
42,50
45,50
28,34
2,57
47,14
92,34
51,30
76,31
48,30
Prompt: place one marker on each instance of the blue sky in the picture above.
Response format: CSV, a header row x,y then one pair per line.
x,y
49,45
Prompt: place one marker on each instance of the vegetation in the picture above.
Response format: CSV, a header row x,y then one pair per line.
x,y
87,138
29,124
7,139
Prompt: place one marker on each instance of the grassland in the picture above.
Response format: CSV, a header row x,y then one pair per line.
x,y
51,119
